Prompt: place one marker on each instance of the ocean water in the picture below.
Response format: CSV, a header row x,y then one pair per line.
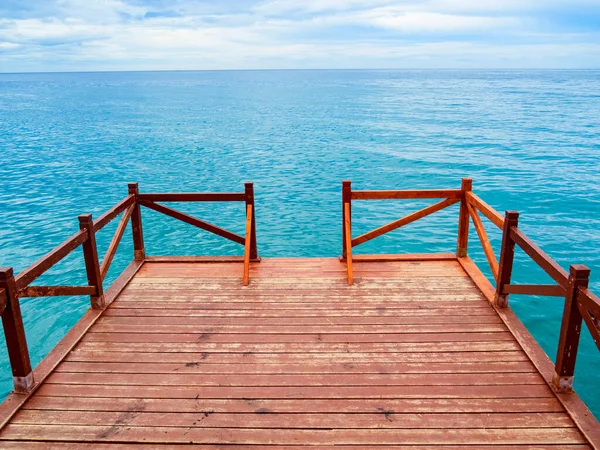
x,y
529,139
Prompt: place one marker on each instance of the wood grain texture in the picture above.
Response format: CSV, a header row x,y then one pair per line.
x,y
415,358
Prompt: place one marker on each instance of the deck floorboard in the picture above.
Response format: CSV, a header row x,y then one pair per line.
x,y
411,356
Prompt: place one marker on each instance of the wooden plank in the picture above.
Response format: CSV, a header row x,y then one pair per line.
x,y
309,367
56,291
494,216
348,242
310,321
463,219
403,221
346,199
30,445
115,289
588,300
194,197
39,267
386,419
204,379
198,357
139,251
546,290
3,300
339,303
249,195
408,257
301,306
588,304
570,330
418,265
247,245
193,221
337,285
302,310
92,266
194,259
150,337
114,243
361,347
507,256
593,325
14,334
259,436
407,194
286,329
484,240
113,212
321,406
295,392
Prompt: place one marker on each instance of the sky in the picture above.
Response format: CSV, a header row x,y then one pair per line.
x,y
90,35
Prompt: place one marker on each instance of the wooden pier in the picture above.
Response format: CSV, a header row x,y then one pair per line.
x,y
357,352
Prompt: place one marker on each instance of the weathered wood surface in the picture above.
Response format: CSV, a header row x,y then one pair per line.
x,y
411,356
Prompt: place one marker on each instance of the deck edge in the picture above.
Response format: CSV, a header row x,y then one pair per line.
x,y
15,401
198,259
402,257
574,406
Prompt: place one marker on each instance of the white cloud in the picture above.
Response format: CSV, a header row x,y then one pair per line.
x,y
426,22
184,34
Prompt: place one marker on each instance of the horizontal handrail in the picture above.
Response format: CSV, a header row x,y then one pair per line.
x,y
590,301
588,305
194,221
545,290
408,194
494,216
113,212
38,268
194,197
57,291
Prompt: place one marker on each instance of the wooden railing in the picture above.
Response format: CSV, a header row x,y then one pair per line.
x,y
13,288
449,197
581,305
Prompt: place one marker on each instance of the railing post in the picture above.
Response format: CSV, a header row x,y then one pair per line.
x,y
92,264
16,343
249,191
463,219
570,330
346,198
136,224
507,256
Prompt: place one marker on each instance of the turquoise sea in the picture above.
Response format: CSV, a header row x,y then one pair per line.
x,y
529,139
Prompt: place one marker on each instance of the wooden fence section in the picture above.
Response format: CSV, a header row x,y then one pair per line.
x,y
12,287
581,305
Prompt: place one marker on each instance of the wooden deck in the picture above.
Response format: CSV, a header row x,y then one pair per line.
x,y
413,355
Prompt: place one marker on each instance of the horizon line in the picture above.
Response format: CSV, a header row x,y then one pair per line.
x,y
305,69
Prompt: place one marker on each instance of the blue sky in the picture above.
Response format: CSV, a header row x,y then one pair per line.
x,y
80,35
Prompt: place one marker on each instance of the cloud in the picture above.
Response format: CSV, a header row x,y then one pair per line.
x,y
40,35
